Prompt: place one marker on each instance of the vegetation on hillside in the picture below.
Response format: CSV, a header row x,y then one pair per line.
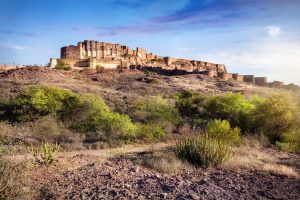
x,y
222,119
276,116
41,120
62,66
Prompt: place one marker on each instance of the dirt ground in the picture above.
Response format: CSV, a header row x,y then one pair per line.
x,y
120,177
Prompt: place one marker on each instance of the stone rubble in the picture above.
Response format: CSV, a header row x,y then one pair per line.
x,y
119,178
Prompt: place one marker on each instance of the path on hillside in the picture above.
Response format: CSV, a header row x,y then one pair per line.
x,y
103,153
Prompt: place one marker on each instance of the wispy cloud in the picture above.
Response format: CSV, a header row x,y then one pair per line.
x,y
141,28
184,49
15,46
222,12
132,3
206,11
273,31
276,60
16,32
194,15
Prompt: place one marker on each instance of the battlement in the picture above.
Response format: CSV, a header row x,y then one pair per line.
x,y
103,52
90,53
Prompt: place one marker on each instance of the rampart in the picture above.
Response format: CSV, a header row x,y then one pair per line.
x,y
261,81
90,54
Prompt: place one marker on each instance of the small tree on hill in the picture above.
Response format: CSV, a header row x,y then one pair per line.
x,y
62,66
99,69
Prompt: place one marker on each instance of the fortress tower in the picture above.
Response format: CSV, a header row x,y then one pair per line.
x,y
90,53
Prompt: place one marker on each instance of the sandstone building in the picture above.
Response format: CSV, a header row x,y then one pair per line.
x,y
90,54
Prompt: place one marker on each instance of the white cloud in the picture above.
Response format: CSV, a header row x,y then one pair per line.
x,y
15,46
276,60
19,47
183,49
273,31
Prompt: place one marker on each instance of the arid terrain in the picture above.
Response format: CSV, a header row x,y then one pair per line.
x,y
88,168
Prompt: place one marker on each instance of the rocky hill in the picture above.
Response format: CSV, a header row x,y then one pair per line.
x,y
105,167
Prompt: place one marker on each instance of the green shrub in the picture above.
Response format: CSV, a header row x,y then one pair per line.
x,y
232,107
62,66
190,104
93,115
150,132
156,116
40,101
274,116
290,141
220,129
4,107
12,179
203,151
99,69
46,154
86,113
156,110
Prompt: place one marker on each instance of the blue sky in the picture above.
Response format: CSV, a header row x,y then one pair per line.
x,y
260,37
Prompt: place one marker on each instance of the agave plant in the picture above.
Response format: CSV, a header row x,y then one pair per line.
x,y
46,154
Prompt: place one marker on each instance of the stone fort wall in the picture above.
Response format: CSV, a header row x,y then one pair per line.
x,y
90,53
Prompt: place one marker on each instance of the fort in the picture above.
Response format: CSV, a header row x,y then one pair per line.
x,y
93,54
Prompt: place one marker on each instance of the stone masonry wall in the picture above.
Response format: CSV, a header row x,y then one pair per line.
x,y
90,53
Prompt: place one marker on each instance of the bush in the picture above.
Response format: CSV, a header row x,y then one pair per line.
x,y
156,116
46,154
39,101
290,141
156,110
93,115
190,104
62,66
232,107
12,180
85,113
150,132
221,130
203,151
274,116
99,69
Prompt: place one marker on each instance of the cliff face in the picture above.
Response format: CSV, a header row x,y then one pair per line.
x,y
102,53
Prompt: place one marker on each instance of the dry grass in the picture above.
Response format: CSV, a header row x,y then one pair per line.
x,y
11,138
280,169
12,179
15,138
161,161
260,158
